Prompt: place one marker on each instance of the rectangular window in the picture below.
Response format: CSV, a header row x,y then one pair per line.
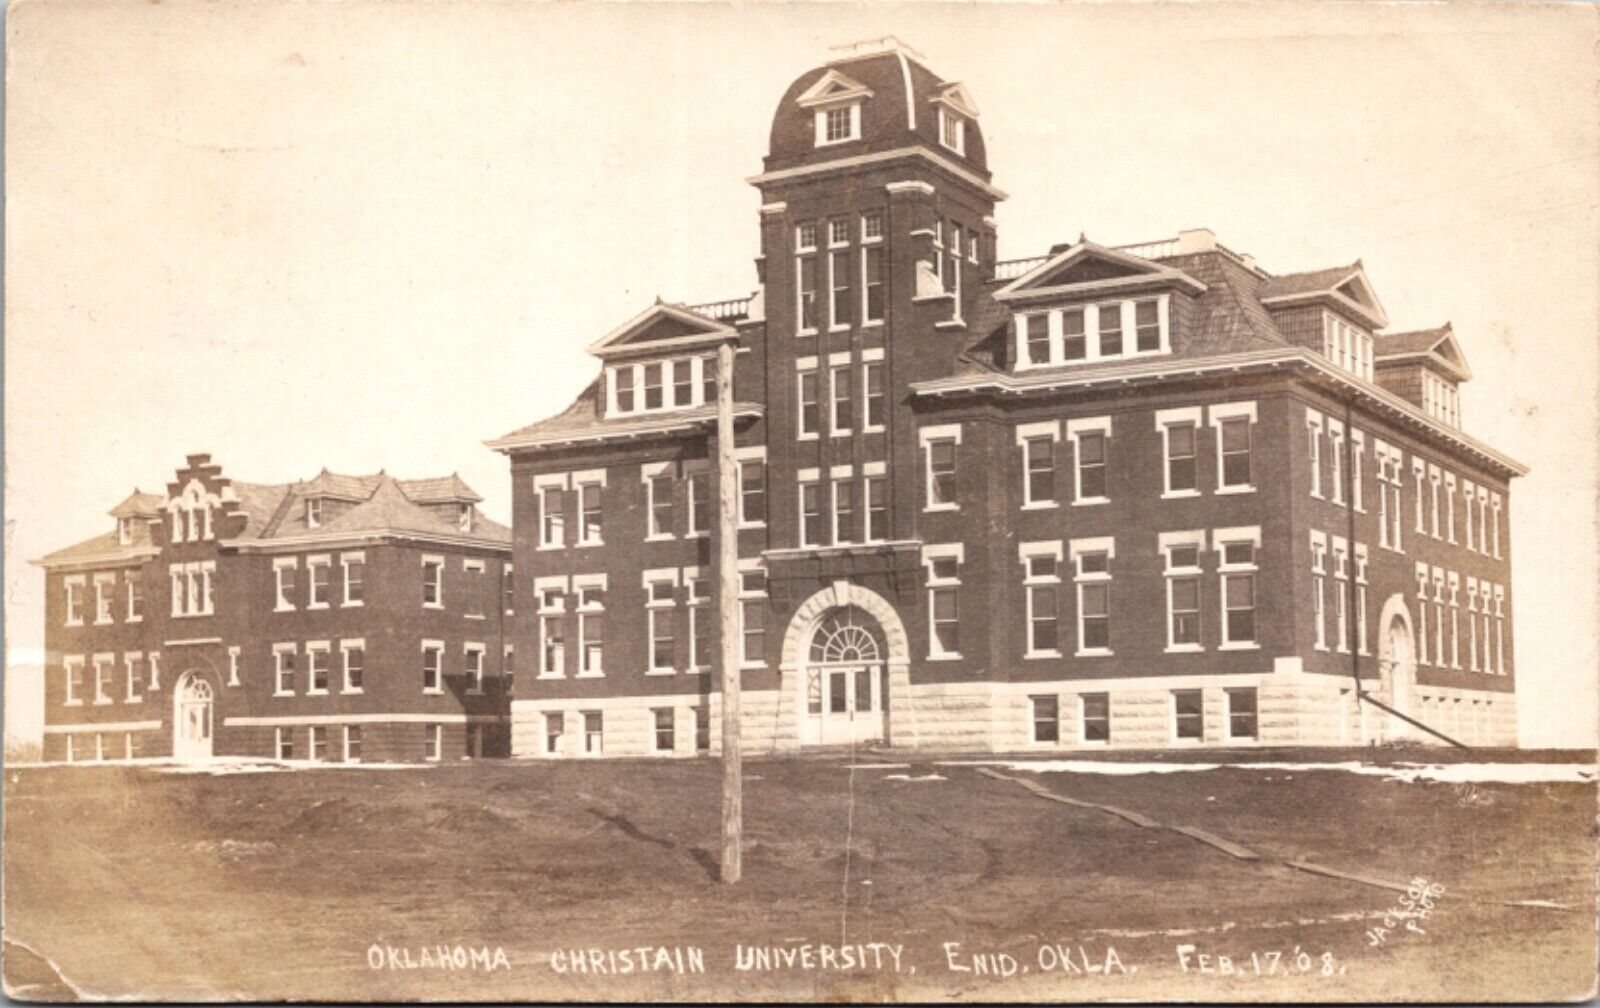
x,y
1188,718
666,730
846,517
708,380
591,629
1467,493
433,742
700,621
355,665
317,660
1234,434
593,732
472,655
622,379
839,281
1108,326
432,667
806,290
1039,477
313,512
877,488
654,394
1094,617
1433,510
1041,580
1046,718
74,670
555,725
659,603
433,582
355,578
352,743
283,669
1336,461
1091,466
1242,713
135,596
1237,568
589,514
319,743
702,729
136,679
104,585
811,527
284,742
1096,717
1183,596
1182,473
809,418
472,590
941,461
659,490
944,585
1037,338
872,384
699,503
839,392
1314,440
508,589
872,283
552,633
552,518
1147,326
752,491
682,382
753,617
1074,339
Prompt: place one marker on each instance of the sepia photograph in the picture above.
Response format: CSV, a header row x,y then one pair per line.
x,y
801,502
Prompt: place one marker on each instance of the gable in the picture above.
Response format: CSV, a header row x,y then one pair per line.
x,y
1087,267
662,326
1087,270
958,98
831,87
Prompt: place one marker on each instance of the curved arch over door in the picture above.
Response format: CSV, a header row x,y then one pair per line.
x,y
1397,661
845,628
193,708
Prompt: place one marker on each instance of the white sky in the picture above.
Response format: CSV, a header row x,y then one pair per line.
x,y
369,235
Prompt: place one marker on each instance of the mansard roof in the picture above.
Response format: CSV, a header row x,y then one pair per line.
x,y
581,423
1437,346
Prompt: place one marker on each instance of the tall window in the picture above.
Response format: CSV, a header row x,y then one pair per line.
x,y
102,678
1183,591
1074,335
283,738
433,666
1314,443
433,742
700,619
319,743
135,596
1336,461
1361,599
104,585
1188,715
811,518
433,582
136,679
472,659
952,130
591,629
472,591
319,574
1233,453
1039,471
839,394
313,512
355,577
622,384
1433,497
699,502
1089,459
1147,326
682,382
660,594
1422,614
806,277
872,386
1046,717
1041,580
943,564
283,656
872,269
839,288
1419,472
658,487
318,662
753,617
552,632
808,419
1500,629
1455,619
1242,713
1036,338
1341,595
1092,559
846,515
355,665
593,732
1472,624
552,518
1495,524
1468,491
752,491
654,395
877,492
352,743
555,725
1319,590
1183,475
939,452
1096,726
508,589
73,667
666,731
1108,327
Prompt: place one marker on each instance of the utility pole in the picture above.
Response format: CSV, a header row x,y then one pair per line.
x,y
728,613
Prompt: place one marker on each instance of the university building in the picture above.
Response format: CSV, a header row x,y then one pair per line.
x,y
342,618
1138,495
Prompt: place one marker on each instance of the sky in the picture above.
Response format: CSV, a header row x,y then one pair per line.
x,y
373,235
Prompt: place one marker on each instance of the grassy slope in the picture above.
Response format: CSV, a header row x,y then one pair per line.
x,y
122,877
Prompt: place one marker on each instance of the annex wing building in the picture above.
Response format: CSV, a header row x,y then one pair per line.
x,y
1109,495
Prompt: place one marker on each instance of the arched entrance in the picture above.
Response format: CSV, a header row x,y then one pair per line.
x,y
192,718
1397,664
845,667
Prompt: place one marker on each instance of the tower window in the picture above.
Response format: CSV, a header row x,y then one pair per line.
x,y
952,131
838,124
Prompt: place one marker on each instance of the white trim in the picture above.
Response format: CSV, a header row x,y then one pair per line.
x,y
889,155
291,720
101,726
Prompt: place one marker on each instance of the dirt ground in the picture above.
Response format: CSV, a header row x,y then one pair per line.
x,y
943,883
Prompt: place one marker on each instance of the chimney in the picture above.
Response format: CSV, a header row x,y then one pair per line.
x,y
1196,240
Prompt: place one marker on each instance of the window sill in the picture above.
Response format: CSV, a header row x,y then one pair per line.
x,y
473,615
103,701
660,672
1179,494
347,604
924,298
667,537
838,433
589,543
1090,501
951,323
1184,649
135,619
71,623
803,436
1228,490
549,548
1093,653
839,328
72,703
752,525
941,507
433,605
1041,654
750,666
1242,646
283,608
876,429
316,692
590,675
316,605
281,693
872,323
951,656
697,535
1040,506
102,622
358,691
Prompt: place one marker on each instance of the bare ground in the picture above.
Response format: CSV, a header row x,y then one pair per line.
x,y
281,885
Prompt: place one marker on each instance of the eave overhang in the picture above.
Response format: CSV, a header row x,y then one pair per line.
x,y
666,426
337,540
1333,298
866,160
1295,360
122,558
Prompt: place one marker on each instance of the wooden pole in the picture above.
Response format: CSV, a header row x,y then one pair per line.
x,y
728,613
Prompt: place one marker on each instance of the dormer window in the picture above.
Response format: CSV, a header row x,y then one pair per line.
x,y
464,521
838,124
657,386
124,530
313,512
1441,399
952,130
1106,330
1345,345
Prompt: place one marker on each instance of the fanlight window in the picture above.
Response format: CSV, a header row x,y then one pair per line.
x,y
195,688
847,635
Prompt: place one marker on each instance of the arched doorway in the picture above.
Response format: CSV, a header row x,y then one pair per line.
x,y
845,669
192,718
1397,664
846,680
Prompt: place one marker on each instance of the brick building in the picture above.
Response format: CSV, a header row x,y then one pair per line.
x,y
1147,495
339,618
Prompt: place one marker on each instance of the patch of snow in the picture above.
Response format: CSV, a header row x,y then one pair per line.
x,y
221,765
877,766
908,777
1446,773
